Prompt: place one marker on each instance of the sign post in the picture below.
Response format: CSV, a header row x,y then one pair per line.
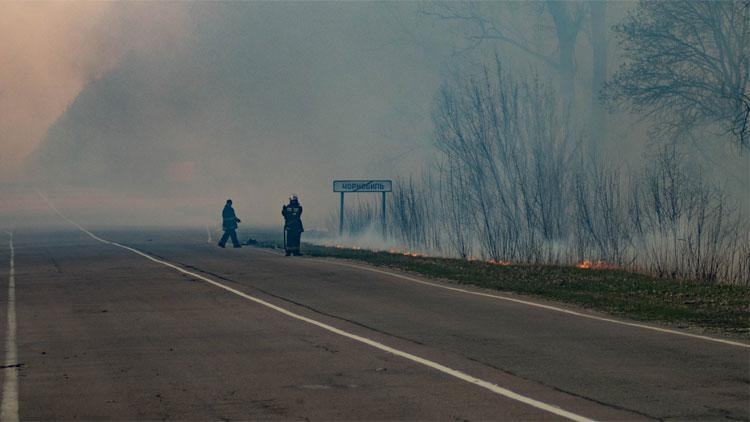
x,y
341,216
382,216
358,186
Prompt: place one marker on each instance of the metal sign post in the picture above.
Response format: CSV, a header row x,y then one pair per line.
x,y
341,216
382,215
357,186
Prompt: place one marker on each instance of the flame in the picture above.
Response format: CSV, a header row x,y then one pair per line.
x,y
595,265
405,253
500,263
585,264
409,253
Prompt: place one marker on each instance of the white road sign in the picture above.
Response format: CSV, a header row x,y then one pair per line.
x,y
362,186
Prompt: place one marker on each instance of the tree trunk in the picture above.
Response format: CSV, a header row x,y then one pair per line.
x,y
567,32
598,116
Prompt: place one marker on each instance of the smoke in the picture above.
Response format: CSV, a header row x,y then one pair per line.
x,y
169,109
51,50
258,101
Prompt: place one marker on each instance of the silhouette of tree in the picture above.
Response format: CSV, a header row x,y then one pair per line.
x,y
687,63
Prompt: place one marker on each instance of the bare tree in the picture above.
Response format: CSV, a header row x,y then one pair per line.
x,y
479,24
602,228
511,149
688,65
684,228
599,38
456,201
555,28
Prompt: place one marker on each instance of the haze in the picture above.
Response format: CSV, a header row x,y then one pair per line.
x,y
146,113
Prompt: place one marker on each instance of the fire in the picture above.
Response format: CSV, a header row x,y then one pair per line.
x,y
595,265
408,253
500,263
405,253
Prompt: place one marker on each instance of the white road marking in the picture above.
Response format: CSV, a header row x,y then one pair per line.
x,y
526,302
426,362
208,230
9,406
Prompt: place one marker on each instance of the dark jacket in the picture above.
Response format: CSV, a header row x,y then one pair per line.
x,y
293,216
229,218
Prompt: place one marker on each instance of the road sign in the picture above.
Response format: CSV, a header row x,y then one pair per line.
x,y
362,186
355,186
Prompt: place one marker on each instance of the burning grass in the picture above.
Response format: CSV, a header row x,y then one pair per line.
x,y
595,265
717,308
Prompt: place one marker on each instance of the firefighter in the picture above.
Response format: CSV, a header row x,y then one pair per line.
x,y
292,226
229,223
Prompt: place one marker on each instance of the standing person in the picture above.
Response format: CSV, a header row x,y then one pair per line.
x,y
229,223
292,226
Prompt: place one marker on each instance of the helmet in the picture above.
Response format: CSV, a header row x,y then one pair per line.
x,y
293,198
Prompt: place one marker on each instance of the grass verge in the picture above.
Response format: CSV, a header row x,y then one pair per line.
x,y
717,308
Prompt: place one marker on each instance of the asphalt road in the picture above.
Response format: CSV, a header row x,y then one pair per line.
x,y
106,333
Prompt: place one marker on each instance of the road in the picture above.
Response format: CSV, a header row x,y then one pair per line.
x,y
181,329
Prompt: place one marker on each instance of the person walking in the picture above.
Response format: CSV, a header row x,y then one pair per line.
x,y
229,224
